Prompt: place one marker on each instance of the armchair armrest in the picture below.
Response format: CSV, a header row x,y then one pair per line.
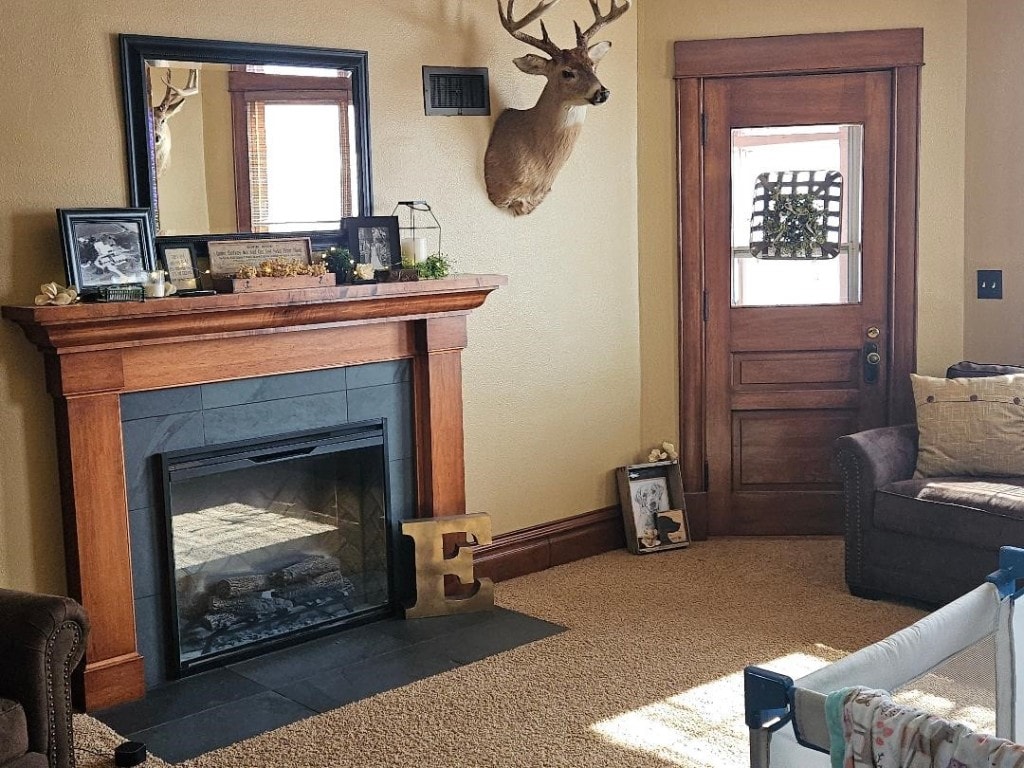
x,y
878,457
866,462
42,640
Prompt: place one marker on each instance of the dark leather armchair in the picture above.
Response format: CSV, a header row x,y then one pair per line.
x,y
928,540
42,640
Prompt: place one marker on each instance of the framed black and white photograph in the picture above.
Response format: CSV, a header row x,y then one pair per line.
x,y
106,246
374,240
653,507
179,262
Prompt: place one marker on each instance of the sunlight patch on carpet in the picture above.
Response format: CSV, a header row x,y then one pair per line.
x,y
703,727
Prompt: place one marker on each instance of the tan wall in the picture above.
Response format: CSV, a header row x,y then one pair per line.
x,y
994,189
940,317
217,144
181,186
551,376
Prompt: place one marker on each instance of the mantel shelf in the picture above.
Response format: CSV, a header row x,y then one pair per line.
x,y
87,327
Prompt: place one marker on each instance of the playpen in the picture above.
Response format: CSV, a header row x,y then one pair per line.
x,y
963,655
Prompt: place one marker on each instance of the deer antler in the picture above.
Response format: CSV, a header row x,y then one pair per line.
x,y
583,38
174,95
513,26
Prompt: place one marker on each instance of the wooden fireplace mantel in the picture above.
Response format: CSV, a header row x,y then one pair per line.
x,y
94,353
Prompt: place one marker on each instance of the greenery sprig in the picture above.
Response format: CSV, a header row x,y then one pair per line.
x,y
794,224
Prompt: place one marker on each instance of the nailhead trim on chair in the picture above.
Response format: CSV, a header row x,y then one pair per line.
x,y
52,712
855,564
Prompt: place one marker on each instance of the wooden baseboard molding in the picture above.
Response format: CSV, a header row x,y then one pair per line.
x,y
542,546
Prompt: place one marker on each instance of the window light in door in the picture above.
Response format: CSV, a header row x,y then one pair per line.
x,y
796,215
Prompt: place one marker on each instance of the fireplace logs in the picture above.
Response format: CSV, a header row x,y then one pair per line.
x,y
246,599
235,586
305,570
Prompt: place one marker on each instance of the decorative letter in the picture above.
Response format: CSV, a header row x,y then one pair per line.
x,y
432,565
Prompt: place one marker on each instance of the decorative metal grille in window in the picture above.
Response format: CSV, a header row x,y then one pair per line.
x,y
797,215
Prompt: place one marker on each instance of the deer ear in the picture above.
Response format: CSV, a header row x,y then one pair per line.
x,y
598,50
532,64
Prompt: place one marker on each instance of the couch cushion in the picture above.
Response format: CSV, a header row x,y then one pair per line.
x,y
13,731
972,426
985,514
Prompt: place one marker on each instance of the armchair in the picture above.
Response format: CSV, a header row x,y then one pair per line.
x,y
42,640
924,539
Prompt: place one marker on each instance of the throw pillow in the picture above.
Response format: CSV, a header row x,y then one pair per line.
x,y
972,426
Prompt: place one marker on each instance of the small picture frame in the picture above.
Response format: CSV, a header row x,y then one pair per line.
x,y
653,507
374,240
105,246
179,262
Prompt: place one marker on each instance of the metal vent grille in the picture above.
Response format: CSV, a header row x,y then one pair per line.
x,y
456,91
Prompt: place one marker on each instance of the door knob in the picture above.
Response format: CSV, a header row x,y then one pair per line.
x,y
872,359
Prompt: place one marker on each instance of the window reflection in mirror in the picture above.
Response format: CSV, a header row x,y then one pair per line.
x,y
255,149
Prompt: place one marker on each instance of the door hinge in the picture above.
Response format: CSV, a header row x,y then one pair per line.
x,y
703,128
706,475
704,308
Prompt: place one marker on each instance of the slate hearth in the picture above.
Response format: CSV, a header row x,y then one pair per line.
x,y
181,418
185,718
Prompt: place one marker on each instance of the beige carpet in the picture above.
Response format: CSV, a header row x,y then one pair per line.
x,y
648,673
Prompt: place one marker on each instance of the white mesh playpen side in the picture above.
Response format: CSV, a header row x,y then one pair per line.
x,y
972,643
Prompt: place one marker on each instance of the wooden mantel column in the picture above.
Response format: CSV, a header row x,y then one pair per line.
x,y
440,457
97,352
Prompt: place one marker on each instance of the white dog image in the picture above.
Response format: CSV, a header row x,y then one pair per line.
x,y
649,499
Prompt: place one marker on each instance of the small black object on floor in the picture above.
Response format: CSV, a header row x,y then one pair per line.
x,y
129,753
191,716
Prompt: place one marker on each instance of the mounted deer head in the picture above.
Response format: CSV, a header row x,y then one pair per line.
x,y
528,147
174,100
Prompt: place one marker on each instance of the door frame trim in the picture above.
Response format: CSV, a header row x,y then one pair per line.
x,y
898,51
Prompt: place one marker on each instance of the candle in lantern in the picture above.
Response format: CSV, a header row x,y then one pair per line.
x,y
414,250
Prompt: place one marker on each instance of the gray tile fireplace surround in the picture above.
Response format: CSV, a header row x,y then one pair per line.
x,y
246,409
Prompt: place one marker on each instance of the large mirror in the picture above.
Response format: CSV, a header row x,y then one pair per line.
x,y
227,137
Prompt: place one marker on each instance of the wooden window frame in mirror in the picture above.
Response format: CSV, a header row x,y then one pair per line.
x,y
136,50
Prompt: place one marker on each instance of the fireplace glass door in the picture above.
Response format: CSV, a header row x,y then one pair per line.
x,y
271,541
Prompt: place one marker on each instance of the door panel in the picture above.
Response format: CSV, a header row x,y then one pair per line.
x,y
772,449
784,357
779,371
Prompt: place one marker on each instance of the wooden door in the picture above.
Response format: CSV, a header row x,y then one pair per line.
x,y
771,371
794,344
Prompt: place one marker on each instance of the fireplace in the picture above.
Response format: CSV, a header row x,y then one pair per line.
x,y
272,541
102,358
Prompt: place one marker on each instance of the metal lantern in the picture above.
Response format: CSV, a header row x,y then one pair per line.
x,y
416,232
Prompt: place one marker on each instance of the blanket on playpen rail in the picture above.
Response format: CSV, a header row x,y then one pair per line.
x,y
870,730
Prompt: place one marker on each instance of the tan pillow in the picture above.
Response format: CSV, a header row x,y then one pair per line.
x,y
970,426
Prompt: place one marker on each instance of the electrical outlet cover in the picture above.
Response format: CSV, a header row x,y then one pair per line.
x,y
990,283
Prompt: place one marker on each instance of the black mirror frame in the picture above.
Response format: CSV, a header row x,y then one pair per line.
x,y
137,49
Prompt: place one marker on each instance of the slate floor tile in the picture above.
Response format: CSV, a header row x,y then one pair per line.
x,y
369,677
214,728
179,699
318,656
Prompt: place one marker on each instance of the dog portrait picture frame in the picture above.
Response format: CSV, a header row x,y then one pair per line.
x,y
653,507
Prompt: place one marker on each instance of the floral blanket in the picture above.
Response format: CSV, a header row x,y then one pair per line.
x,y
878,733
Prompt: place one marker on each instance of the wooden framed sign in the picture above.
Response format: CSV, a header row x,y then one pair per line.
x,y
227,256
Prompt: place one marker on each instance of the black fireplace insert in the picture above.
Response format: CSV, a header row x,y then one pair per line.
x,y
270,542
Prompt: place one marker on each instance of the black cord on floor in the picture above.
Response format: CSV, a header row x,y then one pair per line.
x,y
92,751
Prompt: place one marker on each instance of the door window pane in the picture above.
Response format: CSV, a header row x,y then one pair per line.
x,y
788,282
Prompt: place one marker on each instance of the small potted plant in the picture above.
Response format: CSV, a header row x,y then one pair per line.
x,y
339,261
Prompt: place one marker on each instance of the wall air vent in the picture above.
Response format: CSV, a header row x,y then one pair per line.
x,y
456,91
